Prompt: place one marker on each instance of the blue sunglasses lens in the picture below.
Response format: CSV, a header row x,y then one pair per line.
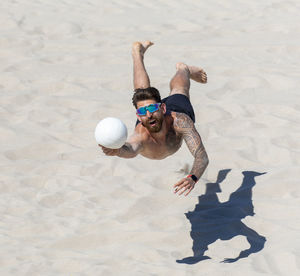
x,y
151,108
141,111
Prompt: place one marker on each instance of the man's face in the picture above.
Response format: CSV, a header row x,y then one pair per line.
x,y
152,121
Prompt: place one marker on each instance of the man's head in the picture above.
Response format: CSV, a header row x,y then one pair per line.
x,y
142,94
150,111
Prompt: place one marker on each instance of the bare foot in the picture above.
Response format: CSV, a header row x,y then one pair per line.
x,y
198,74
141,47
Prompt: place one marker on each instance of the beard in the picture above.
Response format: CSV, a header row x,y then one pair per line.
x,y
153,125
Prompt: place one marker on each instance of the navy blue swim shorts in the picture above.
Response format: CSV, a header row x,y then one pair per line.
x,y
179,103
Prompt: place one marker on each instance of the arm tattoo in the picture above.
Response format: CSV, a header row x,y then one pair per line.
x,y
127,151
183,121
184,125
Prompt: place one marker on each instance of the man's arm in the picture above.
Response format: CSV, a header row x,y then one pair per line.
x,y
129,150
185,126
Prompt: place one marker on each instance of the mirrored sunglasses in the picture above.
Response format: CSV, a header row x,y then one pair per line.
x,y
151,108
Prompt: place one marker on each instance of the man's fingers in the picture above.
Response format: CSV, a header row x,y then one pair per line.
x,y
189,191
108,151
179,183
185,188
181,186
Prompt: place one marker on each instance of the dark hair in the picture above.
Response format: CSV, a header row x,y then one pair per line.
x,y
141,94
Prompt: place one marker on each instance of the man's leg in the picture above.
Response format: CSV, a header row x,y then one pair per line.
x,y
180,83
140,76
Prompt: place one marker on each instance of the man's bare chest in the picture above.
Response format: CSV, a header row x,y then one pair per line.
x,y
162,148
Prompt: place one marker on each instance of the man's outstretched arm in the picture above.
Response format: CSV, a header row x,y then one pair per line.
x,y
129,150
185,126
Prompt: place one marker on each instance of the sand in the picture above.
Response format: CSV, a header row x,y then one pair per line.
x,y
67,209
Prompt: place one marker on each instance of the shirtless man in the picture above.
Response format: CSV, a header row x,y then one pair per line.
x,y
163,124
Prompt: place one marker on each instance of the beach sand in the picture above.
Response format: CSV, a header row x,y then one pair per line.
x,y
67,209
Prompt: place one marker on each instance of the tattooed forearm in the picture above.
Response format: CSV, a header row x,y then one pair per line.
x,y
200,163
193,141
196,147
183,124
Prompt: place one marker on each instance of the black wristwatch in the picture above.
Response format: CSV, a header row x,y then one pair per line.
x,y
194,177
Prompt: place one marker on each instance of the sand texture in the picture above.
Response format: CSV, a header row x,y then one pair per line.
x,y
67,209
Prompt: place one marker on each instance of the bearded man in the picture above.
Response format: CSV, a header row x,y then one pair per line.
x,y
164,123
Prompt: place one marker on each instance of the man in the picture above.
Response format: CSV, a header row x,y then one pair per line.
x,y
163,124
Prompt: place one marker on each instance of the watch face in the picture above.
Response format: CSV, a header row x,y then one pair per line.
x,y
194,177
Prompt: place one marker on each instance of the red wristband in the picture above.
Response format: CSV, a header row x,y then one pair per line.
x,y
194,177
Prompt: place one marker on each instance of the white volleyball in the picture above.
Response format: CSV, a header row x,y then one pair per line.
x,y
111,133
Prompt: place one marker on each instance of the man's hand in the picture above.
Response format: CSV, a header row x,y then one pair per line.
x,y
185,184
110,152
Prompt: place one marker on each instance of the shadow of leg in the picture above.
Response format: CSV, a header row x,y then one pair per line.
x,y
200,245
256,242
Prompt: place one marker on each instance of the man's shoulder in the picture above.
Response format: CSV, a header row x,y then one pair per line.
x,y
181,121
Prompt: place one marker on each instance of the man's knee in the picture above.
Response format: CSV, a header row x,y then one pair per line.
x,y
180,90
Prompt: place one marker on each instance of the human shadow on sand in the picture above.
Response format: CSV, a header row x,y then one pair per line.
x,y
212,220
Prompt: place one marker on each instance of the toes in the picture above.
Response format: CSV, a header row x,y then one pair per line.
x,y
147,44
204,77
141,47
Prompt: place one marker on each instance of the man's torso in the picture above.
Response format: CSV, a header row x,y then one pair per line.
x,y
162,147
